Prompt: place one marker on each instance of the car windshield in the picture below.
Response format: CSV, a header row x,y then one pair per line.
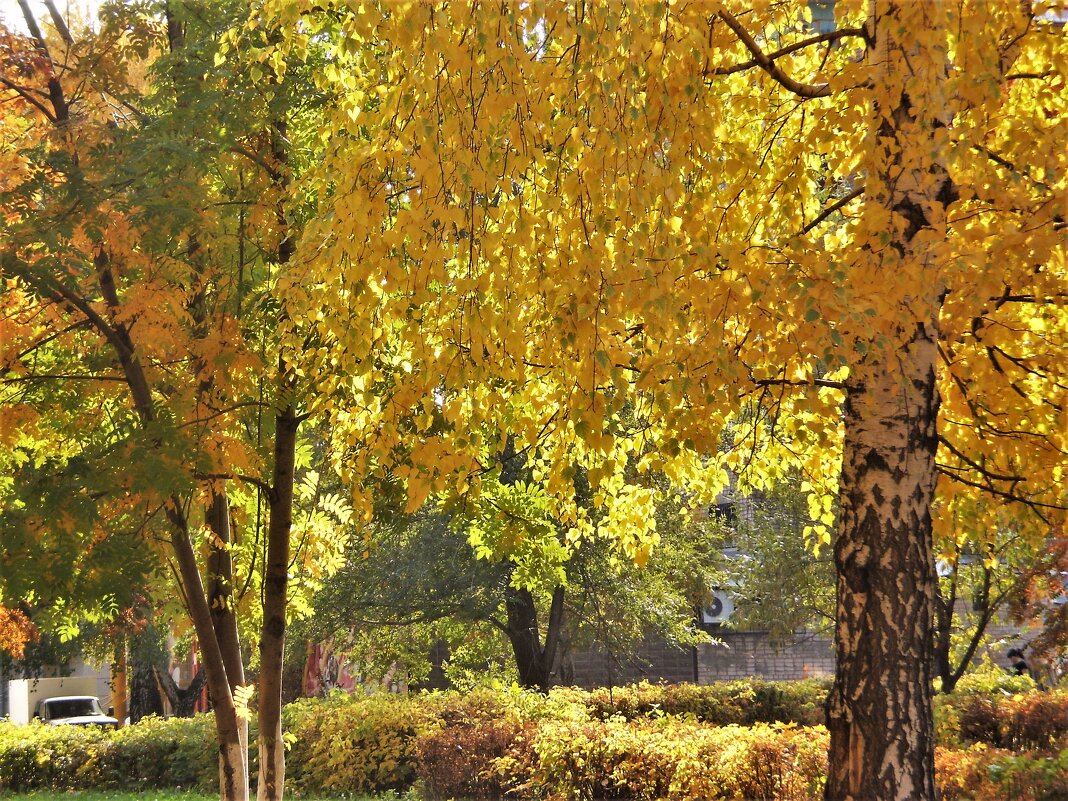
x,y
71,708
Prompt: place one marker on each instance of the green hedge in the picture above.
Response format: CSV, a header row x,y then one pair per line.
x,y
736,740
156,753
741,703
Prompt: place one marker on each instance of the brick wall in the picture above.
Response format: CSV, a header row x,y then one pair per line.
x,y
752,653
655,661
741,654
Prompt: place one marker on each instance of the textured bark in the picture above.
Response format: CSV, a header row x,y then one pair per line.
x,y
183,700
534,661
879,709
145,696
233,772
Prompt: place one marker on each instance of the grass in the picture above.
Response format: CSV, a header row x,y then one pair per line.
x,y
147,795
108,795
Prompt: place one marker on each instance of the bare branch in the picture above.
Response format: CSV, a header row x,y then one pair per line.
x,y
1008,165
272,172
259,484
22,379
60,108
1034,506
815,382
975,465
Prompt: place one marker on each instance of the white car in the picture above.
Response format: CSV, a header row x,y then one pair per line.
x,y
73,710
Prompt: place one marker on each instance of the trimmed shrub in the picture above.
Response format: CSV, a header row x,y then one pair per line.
x,y
740,703
156,753
354,743
678,759
1030,777
983,773
510,743
42,757
166,752
458,760
455,758
1037,720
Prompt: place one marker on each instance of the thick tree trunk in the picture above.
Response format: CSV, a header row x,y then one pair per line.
x,y
534,661
183,700
145,697
879,709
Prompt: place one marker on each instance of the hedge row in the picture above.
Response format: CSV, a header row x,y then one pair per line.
x,y
1032,721
156,753
740,703
639,743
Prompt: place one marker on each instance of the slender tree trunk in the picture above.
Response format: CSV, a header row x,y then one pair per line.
x,y
943,633
879,709
233,754
221,594
119,677
276,570
272,638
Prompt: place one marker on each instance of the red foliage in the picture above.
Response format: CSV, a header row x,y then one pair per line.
x,y
16,632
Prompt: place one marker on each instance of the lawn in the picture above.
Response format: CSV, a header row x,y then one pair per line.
x,y
144,795
108,795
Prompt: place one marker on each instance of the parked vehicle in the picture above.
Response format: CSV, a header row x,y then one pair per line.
x,y
73,710
24,696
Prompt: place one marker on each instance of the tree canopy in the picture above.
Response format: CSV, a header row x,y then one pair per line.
x,y
690,239
841,253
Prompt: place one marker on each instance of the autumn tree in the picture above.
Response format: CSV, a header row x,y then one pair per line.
x,y
781,583
844,248
147,217
496,576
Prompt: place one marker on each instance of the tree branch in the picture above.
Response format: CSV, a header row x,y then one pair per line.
x,y
260,484
59,22
783,382
1008,165
61,110
766,63
55,377
1034,506
23,92
831,36
827,212
975,466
